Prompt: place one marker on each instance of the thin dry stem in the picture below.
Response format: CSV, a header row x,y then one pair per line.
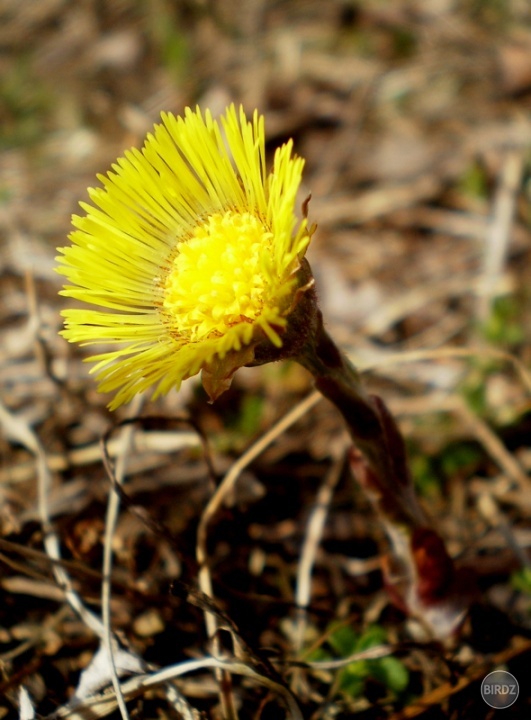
x,y
113,506
218,498
492,444
226,487
21,432
314,532
444,353
499,235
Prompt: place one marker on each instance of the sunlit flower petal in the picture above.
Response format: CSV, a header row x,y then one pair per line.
x,y
188,254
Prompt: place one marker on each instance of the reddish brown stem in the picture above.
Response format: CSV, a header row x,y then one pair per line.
x,y
420,574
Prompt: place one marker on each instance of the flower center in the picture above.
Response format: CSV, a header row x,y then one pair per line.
x,y
217,277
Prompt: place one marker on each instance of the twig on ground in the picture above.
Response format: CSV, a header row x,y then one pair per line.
x,y
20,431
373,363
314,532
499,235
181,705
227,485
113,506
221,493
436,697
490,510
492,444
104,704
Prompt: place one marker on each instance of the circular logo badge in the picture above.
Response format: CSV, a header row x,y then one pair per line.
x,y
500,689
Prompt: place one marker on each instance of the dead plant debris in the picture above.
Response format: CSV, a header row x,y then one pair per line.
x,y
415,119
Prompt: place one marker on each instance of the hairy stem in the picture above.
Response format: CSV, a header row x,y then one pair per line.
x,y
420,575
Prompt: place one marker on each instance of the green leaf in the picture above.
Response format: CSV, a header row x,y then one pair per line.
x,y
504,327
343,640
352,679
373,635
252,410
391,672
521,580
319,655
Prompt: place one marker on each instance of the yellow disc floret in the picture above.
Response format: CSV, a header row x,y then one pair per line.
x,y
217,278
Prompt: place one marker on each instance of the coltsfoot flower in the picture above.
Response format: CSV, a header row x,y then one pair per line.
x,y
190,256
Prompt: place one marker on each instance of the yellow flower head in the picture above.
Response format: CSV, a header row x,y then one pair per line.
x,y
189,255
